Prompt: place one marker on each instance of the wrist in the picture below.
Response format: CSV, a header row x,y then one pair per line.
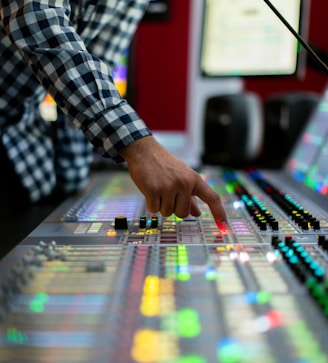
x,y
138,148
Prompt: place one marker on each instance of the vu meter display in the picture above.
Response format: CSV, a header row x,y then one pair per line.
x,y
245,38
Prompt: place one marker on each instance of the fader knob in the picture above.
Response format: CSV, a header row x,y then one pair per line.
x,y
142,222
274,225
154,222
322,241
121,222
274,241
315,223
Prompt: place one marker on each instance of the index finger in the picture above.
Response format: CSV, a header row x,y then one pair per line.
x,y
213,200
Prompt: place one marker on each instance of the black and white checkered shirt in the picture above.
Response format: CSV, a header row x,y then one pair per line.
x,y
67,48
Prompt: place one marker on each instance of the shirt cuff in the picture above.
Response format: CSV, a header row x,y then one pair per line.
x,y
115,129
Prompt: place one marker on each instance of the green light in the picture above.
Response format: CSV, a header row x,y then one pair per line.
x,y
311,183
188,323
15,336
37,304
230,188
182,251
182,268
211,274
183,258
263,297
183,276
42,296
61,268
229,352
190,359
183,323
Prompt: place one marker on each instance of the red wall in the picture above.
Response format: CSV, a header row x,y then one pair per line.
x,y
161,61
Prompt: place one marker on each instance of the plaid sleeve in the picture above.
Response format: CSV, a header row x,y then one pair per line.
x,y
72,156
80,81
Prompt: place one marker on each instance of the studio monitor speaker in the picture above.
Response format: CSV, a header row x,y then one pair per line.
x,y
285,117
233,129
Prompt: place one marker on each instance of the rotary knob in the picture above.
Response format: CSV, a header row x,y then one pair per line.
x,y
121,222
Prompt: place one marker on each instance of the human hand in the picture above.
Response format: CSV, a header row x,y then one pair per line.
x,y
168,184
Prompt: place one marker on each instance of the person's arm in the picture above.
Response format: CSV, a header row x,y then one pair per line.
x,y
82,85
81,82
168,184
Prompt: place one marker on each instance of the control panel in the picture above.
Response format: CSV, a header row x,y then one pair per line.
x,y
104,280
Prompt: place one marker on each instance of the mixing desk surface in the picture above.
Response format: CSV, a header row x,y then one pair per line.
x,y
102,280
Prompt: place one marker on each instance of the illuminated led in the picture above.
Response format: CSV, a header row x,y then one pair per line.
x,y
263,297
190,359
230,188
16,336
244,257
222,248
37,305
229,351
188,323
42,296
150,307
223,227
293,260
271,257
146,346
183,276
233,256
211,273
237,205
251,297
61,268
183,267
274,318
151,284
150,302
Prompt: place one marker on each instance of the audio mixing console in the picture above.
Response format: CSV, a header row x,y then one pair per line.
x,y
103,280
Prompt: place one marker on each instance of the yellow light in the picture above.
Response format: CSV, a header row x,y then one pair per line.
x,y
220,248
151,346
145,346
157,298
150,299
150,306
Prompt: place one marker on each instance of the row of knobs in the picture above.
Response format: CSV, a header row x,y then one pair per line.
x,y
259,213
121,222
298,259
291,207
305,268
261,216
